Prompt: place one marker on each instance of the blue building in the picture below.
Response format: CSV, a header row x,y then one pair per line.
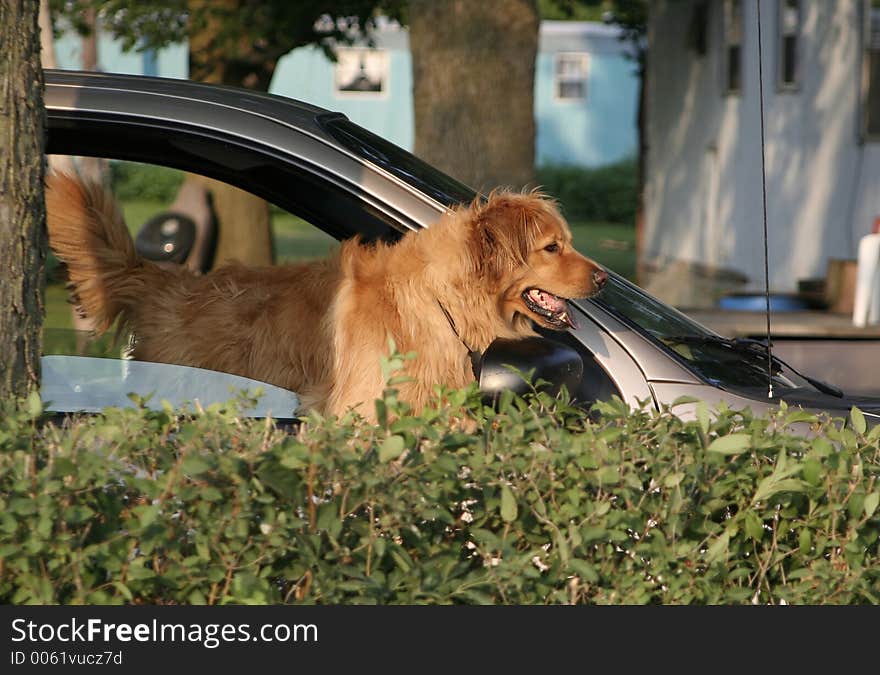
x,y
586,86
586,95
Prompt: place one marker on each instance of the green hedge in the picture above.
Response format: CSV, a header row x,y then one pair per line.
x,y
132,181
607,194
540,504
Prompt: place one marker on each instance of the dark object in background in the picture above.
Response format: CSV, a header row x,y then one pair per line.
x,y
185,234
813,291
166,237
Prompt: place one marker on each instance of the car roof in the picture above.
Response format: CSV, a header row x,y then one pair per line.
x,y
68,88
251,139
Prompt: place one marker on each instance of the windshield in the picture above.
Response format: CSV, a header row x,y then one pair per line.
x,y
726,363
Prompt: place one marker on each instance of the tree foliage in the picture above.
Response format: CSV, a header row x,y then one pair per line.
x,y
275,26
236,42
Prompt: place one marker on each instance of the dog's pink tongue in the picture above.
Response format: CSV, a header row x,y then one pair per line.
x,y
568,317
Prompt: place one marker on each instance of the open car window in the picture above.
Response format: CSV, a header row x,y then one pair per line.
x,y
82,372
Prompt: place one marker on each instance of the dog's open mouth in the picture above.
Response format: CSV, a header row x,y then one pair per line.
x,y
552,308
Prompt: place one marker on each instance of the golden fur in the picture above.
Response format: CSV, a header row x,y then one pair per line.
x,y
320,328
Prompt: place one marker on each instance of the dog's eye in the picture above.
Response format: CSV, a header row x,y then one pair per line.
x,y
552,248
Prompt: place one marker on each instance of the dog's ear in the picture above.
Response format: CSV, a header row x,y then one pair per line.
x,y
503,231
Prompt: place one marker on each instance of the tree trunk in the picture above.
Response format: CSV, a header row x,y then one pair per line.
x,y
244,231
243,221
49,59
47,40
22,204
62,163
473,88
90,168
89,42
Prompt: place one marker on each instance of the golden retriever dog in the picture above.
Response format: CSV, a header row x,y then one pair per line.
x,y
484,270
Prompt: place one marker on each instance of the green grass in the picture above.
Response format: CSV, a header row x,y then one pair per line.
x,y
610,244
58,310
295,239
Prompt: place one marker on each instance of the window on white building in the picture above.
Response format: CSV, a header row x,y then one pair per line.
x,y
571,76
789,30
871,74
733,39
698,27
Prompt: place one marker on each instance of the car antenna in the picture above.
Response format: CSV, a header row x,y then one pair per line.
x,y
764,202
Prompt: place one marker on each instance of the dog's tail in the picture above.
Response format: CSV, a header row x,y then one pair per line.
x,y
88,234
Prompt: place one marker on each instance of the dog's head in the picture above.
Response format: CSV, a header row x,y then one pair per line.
x,y
521,248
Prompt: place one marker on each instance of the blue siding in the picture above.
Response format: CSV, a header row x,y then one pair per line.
x,y
598,130
173,61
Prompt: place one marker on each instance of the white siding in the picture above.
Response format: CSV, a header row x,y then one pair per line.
x,y
703,191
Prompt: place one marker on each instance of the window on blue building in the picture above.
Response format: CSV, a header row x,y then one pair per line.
x,y
571,76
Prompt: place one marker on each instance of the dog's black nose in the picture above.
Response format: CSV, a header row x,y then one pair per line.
x,y
599,278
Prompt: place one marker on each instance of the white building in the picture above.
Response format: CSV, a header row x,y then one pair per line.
x,y
703,229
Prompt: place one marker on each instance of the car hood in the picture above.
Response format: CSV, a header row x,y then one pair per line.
x,y
818,400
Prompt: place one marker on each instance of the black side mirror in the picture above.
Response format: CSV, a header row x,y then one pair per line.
x,y
506,361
